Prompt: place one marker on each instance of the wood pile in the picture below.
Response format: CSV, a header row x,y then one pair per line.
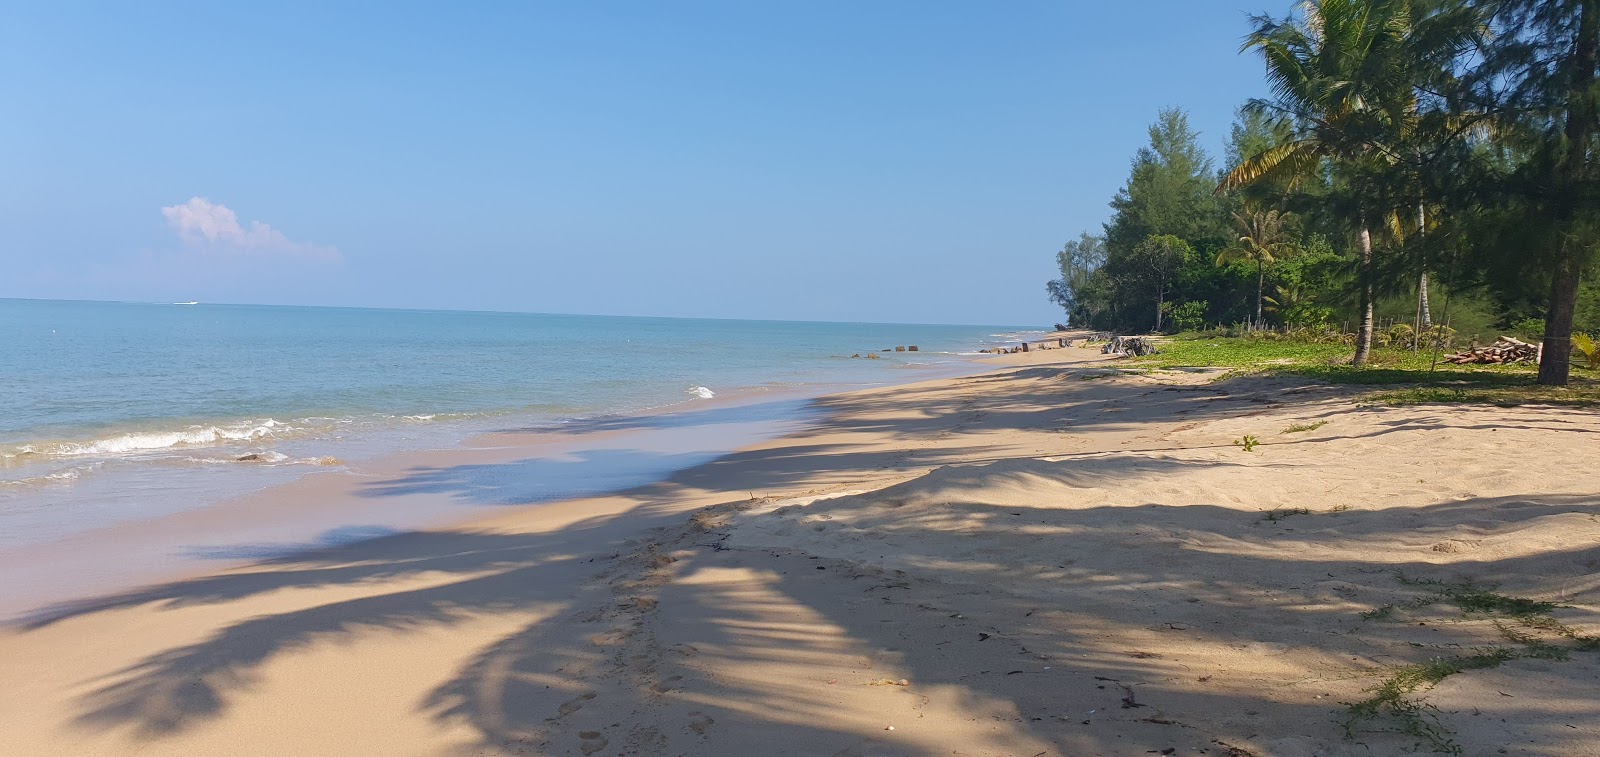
x,y
1504,350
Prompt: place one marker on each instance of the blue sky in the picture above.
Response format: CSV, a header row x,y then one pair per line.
x,y
878,161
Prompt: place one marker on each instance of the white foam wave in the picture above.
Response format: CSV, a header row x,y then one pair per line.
x,y
57,478
701,392
150,441
267,458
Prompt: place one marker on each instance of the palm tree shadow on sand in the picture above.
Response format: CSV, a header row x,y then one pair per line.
x,y
657,631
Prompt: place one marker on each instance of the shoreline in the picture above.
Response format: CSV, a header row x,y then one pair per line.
x,y
238,529
1051,557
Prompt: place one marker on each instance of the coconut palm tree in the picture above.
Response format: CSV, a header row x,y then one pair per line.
x,y
1285,300
1340,69
1260,241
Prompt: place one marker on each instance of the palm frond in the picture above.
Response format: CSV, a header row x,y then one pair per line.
x,y
1276,165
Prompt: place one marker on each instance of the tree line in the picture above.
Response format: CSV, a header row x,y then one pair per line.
x,y
1416,161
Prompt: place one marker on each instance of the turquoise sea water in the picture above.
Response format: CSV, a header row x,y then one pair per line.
x,y
111,411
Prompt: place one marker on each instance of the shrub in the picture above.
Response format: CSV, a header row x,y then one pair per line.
x,y
1189,315
1528,328
1583,346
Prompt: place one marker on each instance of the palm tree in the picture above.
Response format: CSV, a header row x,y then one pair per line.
x,y
1260,241
1285,299
1340,71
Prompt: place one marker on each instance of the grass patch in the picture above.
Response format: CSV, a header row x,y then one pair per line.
x,y
1470,598
1246,354
1413,375
1275,515
1578,394
1300,427
1391,700
1524,624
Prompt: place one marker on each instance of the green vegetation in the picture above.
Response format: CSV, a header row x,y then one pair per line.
x,y
1586,348
1471,598
1412,377
1245,354
1295,428
1426,172
1391,699
1248,443
1573,395
1526,630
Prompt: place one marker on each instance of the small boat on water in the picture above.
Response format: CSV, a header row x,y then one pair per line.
x,y
191,302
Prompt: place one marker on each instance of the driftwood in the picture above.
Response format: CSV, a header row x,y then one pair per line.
x,y
1130,346
1504,350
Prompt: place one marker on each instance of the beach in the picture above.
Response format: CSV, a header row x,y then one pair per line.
x,y
238,432
1058,556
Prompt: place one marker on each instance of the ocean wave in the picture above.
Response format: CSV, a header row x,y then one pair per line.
x,y
1013,336
57,478
249,436
267,458
152,441
448,417
701,392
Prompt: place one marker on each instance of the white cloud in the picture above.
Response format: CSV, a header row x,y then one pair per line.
x,y
203,223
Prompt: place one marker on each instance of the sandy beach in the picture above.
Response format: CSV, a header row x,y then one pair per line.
x,y
1057,557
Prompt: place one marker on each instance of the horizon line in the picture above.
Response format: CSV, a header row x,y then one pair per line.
x,y
198,303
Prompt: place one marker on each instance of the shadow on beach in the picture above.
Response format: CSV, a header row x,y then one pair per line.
x,y
1068,630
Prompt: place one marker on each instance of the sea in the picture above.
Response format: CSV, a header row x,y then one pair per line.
x,y
118,411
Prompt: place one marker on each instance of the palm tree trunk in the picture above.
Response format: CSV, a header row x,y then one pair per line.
x,y
1555,357
1260,280
1364,332
1424,314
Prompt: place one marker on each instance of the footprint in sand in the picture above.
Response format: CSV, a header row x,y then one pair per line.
x,y
666,686
590,742
611,638
572,706
700,722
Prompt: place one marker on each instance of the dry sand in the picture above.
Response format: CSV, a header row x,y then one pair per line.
x,y
1057,558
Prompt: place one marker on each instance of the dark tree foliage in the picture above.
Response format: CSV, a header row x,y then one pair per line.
x,y
1168,189
1538,83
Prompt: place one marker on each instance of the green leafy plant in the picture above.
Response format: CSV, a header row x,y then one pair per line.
x,y
1189,316
1248,443
1584,345
1529,328
1398,335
